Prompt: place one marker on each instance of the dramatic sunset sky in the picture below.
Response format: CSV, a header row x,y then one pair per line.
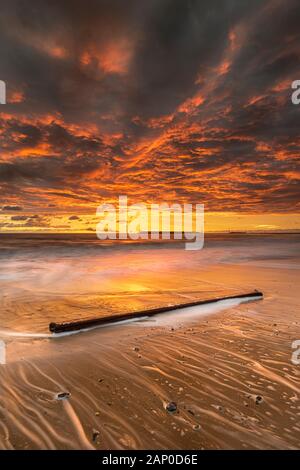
x,y
160,100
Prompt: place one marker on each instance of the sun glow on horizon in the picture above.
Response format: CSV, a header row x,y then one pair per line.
x,y
20,222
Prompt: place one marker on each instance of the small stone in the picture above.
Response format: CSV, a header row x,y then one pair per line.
x,y
95,434
100,380
136,349
196,427
258,399
97,413
62,395
171,407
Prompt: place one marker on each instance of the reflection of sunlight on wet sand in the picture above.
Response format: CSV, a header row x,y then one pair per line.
x,y
133,287
79,281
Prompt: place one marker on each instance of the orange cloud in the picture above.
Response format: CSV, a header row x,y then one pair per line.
x,y
111,58
16,97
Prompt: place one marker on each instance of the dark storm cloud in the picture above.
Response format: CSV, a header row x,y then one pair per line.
x,y
18,217
191,98
183,41
24,134
12,208
50,171
171,42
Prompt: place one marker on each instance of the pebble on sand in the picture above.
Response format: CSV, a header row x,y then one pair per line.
x,y
258,399
171,407
62,395
95,434
196,427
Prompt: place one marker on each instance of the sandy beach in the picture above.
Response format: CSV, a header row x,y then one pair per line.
x,y
227,367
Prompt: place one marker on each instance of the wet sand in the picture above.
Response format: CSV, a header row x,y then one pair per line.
x,y
215,365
